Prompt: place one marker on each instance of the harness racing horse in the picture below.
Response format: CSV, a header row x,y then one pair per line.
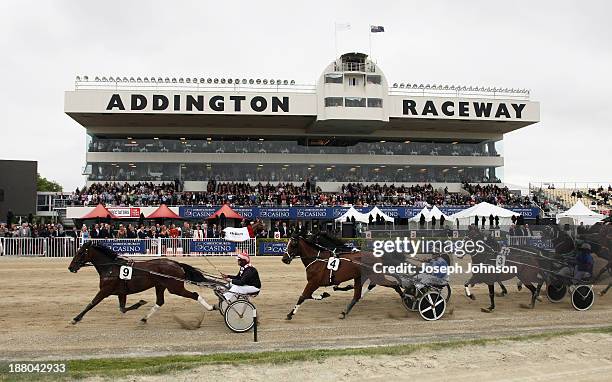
x,y
528,269
320,263
161,274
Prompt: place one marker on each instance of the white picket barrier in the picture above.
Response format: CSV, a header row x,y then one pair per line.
x,y
68,246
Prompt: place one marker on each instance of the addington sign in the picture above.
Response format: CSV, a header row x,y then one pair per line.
x,y
188,102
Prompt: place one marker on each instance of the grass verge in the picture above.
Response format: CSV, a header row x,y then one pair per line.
x,y
122,367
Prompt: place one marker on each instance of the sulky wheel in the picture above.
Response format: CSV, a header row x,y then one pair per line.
x,y
583,297
222,305
239,316
432,306
555,292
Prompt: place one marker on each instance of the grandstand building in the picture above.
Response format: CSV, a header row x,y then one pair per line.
x,y
351,126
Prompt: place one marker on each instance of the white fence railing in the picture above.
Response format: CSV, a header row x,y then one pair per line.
x,y
68,246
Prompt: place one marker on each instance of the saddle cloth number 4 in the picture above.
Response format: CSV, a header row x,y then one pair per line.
x,y
125,272
333,263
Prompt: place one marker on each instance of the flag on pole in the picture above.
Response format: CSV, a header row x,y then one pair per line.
x,y
340,27
376,28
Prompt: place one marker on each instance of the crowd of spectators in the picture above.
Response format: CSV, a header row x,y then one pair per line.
x,y
290,194
34,230
493,194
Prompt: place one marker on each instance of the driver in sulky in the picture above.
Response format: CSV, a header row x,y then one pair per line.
x,y
246,281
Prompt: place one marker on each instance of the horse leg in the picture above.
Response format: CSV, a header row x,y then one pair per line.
x,y
492,298
306,294
179,290
101,295
466,286
534,292
519,285
343,289
123,299
159,301
605,290
356,297
503,288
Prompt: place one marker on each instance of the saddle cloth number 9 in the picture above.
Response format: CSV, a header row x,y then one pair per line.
x,y
333,263
125,272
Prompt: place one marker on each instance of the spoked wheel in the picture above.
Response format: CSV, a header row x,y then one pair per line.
x,y
239,316
222,305
583,297
555,292
432,306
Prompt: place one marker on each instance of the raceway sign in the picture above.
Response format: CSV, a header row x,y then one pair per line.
x,y
124,246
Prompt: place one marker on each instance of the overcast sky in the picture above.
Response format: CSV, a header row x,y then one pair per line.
x,y
561,50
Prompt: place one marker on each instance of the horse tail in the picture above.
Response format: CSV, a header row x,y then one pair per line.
x,y
193,274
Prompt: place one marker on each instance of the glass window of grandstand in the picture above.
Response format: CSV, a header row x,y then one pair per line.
x,y
333,78
374,79
354,102
333,102
288,145
375,102
353,81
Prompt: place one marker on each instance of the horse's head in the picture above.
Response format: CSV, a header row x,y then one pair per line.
x,y
82,257
292,249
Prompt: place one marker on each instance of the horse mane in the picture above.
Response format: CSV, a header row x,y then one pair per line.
x,y
105,251
327,240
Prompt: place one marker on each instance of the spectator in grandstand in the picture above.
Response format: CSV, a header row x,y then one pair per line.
x,y
186,231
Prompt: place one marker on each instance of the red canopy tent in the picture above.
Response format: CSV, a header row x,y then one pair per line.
x,y
163,212
227,211
100,212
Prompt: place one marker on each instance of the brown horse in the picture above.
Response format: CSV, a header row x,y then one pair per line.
x,y
530,268
160,274
316,259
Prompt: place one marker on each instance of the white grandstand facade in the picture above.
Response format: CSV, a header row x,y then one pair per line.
x,y
352,126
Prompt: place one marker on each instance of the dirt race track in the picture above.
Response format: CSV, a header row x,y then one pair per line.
x,y
39,297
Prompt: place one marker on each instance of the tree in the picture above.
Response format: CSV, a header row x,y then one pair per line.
x,y
45,185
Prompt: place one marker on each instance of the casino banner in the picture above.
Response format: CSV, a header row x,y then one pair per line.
x,y
272,247
124,246
212,246
327,213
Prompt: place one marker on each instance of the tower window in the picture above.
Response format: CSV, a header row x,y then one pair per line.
x,y
352,81
375,102
374,79
354,102
333,102
333,78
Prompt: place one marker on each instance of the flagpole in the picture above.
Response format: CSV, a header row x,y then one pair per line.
x,y
370,41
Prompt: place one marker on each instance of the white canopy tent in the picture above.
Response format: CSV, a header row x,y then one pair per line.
x,y
466,217
353,213
417,217
374,212
377,211
436,213
579,213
